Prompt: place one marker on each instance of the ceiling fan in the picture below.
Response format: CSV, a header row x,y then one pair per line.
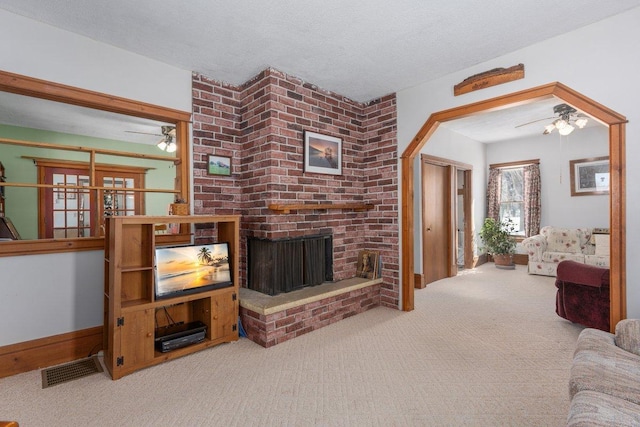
x,y
167,143
565,120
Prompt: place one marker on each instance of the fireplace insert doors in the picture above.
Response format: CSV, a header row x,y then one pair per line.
x,y
284,265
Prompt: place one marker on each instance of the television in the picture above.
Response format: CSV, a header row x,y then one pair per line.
x,y
183,270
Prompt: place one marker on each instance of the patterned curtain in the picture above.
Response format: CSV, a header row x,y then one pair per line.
x,y
532,205
493,194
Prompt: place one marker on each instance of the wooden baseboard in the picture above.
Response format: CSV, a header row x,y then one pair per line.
x,y
479,260
49,351
518,259
418,281
521,259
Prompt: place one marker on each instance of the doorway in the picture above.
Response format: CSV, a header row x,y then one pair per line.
x,y
436,215
616,123
464,218
446,217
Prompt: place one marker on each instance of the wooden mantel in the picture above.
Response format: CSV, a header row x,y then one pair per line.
x,y
287,208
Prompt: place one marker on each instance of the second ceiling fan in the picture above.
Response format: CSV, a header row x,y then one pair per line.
x,y
168,141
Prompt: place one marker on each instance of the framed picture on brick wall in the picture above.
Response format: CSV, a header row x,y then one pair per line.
x,y
367,266
219,165
322,153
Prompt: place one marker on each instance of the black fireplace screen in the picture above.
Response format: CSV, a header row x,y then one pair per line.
x,y
284,265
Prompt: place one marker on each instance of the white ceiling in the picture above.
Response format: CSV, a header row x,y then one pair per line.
x,y
362,49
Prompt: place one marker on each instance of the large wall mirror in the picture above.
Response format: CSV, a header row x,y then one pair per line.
x,y
71,157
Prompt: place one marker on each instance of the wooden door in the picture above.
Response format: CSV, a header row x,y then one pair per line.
x,y
65,211
72,210
436,189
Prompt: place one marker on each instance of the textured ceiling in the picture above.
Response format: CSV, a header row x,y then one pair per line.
x,y
362,49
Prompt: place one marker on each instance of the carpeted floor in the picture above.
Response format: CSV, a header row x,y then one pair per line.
x,y
482,349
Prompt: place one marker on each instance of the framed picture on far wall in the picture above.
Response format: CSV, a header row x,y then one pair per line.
x,y
219,165
589,176
322,153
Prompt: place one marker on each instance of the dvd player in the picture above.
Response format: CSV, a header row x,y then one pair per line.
x,y
177,336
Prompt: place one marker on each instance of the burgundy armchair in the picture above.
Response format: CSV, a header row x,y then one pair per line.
x,y
583,294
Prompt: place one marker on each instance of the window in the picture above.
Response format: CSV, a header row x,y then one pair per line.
x,y
513,194
512,198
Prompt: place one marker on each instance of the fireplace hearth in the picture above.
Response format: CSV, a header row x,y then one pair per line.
x,y
284,265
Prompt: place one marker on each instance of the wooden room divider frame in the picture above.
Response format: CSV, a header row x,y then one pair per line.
x,y
617,200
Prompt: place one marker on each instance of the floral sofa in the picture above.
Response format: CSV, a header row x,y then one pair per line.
x,y
604,384
555,244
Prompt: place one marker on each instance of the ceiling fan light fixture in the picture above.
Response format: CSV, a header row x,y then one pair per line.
x,y
566,130
169,131
567,120
548,129
171,147
167,143
560,123
581,121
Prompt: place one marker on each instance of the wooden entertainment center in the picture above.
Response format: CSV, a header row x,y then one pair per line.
x,y
132,313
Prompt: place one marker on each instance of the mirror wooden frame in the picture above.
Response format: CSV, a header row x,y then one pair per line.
x,y
28,86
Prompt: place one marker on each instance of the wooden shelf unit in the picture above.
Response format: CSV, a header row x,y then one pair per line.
x,y
131,313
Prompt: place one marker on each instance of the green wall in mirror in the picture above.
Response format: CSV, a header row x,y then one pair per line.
x,y
22,202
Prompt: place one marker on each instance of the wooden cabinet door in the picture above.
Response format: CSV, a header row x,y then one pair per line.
x,y
136,341
224,317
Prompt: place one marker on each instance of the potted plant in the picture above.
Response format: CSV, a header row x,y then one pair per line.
x,y
499,242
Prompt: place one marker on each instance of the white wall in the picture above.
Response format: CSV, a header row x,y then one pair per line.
x,y
597,61
555,152
52,294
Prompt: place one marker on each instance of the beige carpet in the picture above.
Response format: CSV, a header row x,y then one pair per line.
x,y
482,349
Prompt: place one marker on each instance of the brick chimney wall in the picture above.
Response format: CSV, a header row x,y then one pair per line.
x,y
261,126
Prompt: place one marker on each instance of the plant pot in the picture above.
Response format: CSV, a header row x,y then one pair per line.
x,y
503,261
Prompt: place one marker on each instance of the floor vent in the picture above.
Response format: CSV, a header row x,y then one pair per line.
x,y
70,371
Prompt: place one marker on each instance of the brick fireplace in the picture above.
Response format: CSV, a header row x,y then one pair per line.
x,y
260,126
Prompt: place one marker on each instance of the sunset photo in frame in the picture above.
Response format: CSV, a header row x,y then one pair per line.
x,y
322,153
589,176
219,165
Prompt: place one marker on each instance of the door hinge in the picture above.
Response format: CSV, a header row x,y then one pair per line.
x,y
120,321
234,297
120,361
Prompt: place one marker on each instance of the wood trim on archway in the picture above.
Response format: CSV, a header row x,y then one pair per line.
x,y
616,123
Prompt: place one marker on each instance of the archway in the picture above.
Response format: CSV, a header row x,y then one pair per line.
x,y
616,123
